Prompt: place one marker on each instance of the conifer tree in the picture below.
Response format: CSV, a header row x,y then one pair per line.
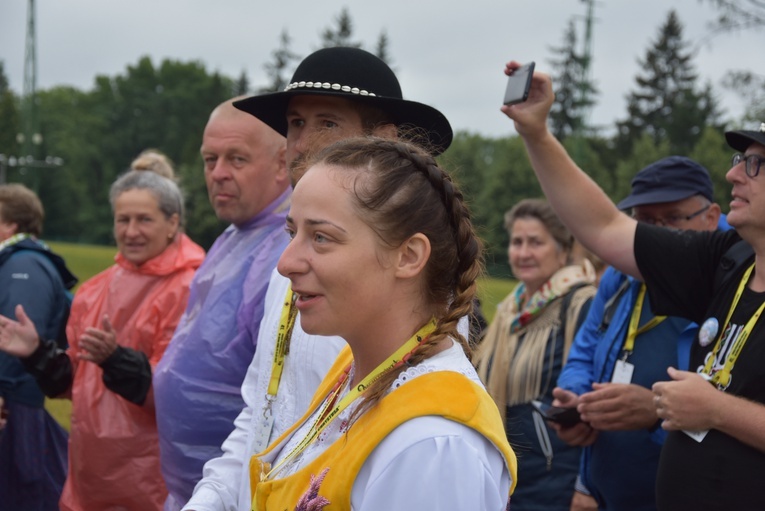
x,y
574,93
9,116
280,68
382,48
668,104
342,35
735,15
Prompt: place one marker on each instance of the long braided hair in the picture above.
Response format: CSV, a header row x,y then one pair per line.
x,y
399,191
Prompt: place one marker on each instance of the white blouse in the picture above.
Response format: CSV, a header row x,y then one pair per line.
x,y
426,463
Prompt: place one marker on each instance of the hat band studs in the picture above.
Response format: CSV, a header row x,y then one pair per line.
x,y
327,85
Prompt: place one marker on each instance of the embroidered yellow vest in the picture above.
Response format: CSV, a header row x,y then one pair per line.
x,y
445,393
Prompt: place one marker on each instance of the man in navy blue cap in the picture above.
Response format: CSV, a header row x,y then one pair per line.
x,y
622,349
714,455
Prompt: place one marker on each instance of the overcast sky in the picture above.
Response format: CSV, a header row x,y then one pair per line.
x,y
447,54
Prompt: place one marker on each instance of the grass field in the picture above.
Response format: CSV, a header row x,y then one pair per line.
x,y
88,260
85,260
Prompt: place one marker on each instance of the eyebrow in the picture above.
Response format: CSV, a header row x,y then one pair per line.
x,y
323,115
314,223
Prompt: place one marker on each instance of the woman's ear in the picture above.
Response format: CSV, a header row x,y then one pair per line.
x,y
564,256
413,255
175,221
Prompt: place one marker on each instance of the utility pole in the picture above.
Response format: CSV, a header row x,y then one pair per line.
x,y
30,139
586,64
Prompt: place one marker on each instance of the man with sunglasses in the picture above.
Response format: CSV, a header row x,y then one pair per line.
x,y
714,455
622,349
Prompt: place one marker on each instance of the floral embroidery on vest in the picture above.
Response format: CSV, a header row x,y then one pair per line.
x,y
311,500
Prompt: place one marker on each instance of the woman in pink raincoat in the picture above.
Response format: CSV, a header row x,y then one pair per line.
x,y
120,324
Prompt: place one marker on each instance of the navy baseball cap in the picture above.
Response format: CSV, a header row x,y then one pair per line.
x,y
670,179
741,140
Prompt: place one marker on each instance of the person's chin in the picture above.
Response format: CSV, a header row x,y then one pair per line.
x,y
525,275
224,214
314,323
313,327
136,258
735,217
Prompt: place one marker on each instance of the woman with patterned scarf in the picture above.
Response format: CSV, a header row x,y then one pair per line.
x,y
526,345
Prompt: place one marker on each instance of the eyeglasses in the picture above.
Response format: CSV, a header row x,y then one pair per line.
x,y
753,163
671,220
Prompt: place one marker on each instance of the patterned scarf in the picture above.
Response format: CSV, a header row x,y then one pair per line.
x,y
558,285
511,357
16,238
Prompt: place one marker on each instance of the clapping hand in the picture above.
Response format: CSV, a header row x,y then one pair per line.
x,y
96,345
20,337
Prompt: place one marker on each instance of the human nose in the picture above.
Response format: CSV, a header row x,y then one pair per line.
x,y
220,171
291,261
523,251
131,229
737,173
301,142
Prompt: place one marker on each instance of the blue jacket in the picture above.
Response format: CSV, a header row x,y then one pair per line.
x,y
38,279
592,358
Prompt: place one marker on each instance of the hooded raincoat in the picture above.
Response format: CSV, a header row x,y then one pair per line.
x,y
33,446
114,450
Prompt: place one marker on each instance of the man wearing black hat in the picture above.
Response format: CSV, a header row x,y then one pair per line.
x,y
714,455
335,93
622,349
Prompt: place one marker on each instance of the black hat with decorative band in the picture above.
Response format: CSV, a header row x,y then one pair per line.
x,y
357,75
741,140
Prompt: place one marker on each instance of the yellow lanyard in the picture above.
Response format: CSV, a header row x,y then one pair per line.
x,y
722,378
283,335
330,409
632,330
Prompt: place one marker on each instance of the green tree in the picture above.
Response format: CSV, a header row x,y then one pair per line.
x,y
341,34
281,66
242,85
9,116
164,107
494,174
381,50
736,15
574,93
99,132
713,152
751,87
71,128
644,152
668,105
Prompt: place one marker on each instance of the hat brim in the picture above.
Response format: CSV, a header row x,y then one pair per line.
x,y
741,140
424,120
655,197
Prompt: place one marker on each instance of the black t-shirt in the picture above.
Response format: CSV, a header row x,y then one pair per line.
x,y
679,269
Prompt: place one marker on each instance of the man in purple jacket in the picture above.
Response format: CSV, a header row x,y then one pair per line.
x,y
196,384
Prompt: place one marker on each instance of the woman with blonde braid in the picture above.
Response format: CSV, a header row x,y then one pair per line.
x,y
383,254
526,345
